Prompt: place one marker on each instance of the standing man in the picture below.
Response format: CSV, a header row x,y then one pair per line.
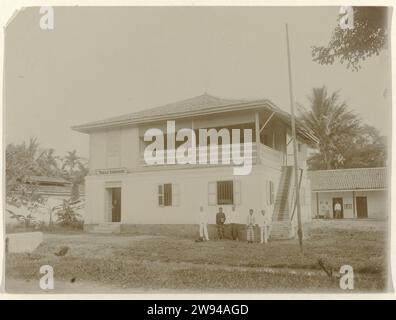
x,y
203,224
234,219
265,225
220,220
250,227
337,209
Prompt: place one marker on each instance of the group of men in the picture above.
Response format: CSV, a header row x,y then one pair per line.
x,y
264,223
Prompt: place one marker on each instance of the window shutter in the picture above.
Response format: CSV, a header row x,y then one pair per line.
x,y
212,193
160,195
237,192
175,194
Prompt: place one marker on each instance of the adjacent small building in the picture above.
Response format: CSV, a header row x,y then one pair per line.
x,y
51,189
362,193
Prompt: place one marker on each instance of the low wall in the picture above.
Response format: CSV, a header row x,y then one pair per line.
x,y
23,242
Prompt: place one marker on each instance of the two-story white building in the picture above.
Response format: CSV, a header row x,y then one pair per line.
x,y
124,191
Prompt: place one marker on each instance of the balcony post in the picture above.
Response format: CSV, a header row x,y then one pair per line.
x,y
257,131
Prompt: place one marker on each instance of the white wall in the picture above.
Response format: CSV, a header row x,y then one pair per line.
x,y
114,148
140,194
376,202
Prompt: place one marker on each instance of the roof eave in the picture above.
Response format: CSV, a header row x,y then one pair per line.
x,y
87,128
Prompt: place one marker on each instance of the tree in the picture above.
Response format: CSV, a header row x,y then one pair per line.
x,y
21,163
74,170
366,149
48,161
330,121
368,37
28,159
25,160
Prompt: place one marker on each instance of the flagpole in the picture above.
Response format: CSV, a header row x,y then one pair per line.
x,y
293,125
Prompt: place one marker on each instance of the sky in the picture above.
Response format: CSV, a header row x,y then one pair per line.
x,y
100,62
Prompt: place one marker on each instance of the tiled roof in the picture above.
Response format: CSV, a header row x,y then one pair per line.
x,y
58,190
348,179
197,103
202,103
49,180
189,107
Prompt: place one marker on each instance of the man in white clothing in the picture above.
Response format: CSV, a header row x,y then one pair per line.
x,y
234,220
265,225
203,224
337,209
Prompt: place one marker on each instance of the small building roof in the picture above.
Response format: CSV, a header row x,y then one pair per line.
x,y
348,179
48,180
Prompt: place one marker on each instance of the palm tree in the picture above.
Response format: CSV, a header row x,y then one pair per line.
x,y
48,161
75,170
329,120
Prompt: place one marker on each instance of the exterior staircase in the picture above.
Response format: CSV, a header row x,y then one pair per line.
x,y
107,227
282,225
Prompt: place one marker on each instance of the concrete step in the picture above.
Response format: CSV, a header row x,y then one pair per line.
x,y
282,230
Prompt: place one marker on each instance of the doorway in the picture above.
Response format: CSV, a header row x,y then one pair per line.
x,y
361,207
338,200
114,204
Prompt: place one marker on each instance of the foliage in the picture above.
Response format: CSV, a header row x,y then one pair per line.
x,y
25,160
68,215
27,220
74,169
367,38
344,141
29,159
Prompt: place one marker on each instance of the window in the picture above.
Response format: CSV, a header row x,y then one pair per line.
x,y
270,192
224,192
348,206
165,195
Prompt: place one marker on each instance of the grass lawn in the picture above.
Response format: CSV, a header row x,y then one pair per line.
x,y
134,263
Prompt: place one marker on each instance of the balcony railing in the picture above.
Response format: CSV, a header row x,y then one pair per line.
x,y
231,156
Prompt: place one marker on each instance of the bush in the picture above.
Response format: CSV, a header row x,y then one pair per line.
x,y
68,216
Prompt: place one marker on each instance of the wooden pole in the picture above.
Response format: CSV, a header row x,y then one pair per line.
x,y
257,131
293,125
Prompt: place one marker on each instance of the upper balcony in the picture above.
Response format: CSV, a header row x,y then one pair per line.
x,y
206,156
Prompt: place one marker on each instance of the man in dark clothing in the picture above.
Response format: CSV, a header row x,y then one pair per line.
x,y
220,220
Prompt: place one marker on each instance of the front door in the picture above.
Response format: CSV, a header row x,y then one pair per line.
x,y
338,200
115,204
361,207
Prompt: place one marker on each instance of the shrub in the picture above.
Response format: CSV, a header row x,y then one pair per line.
x,y
68,216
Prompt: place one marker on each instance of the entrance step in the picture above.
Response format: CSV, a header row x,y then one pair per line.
x,y
107,227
